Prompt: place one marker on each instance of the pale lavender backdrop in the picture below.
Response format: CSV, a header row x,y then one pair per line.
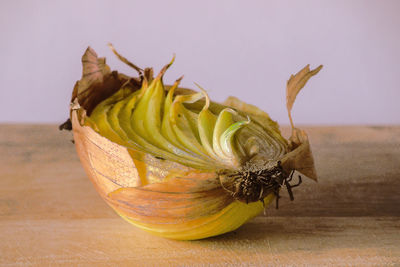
x,y
242,48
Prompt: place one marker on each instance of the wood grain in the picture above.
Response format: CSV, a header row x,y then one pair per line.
x,y
50,213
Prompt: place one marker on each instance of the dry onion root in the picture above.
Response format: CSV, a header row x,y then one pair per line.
x,y
174,163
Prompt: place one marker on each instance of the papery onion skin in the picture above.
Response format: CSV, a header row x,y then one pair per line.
x,y
160,195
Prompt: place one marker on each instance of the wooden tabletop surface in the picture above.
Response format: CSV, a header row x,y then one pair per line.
x,y
50,213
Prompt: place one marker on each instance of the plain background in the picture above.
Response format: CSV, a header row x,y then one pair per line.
x,y
242,48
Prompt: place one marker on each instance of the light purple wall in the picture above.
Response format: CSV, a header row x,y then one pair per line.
x,y
242,48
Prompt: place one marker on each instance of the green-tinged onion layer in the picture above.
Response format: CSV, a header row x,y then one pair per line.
x,y
171,126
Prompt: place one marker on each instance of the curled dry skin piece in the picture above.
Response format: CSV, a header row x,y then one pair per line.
x,y
174,163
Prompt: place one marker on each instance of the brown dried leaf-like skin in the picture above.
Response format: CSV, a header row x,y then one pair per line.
x,y
295,84
98,82
300,157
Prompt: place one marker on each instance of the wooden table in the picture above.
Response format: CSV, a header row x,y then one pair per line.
x,y
50,213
